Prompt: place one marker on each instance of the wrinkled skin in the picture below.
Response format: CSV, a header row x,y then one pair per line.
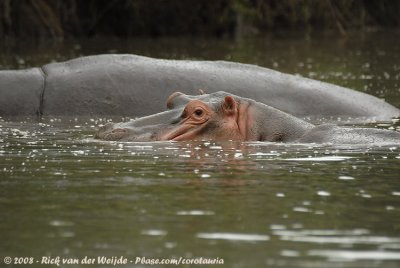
x,y
222,116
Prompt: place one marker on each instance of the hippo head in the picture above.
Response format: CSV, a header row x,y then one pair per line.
x,y
217,116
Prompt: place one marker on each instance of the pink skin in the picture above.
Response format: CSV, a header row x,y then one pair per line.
x,y
197,115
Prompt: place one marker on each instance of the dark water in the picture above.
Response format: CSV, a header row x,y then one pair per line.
x,y
64,194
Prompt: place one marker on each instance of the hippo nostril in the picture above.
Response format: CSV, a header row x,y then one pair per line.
x,y
103,129
119,130
106,127
115,134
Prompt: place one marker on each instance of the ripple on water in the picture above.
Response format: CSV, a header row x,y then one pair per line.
x,y
60,223
352,255
332,158
154,232
345,178
349,237
194,212
323,193
233,236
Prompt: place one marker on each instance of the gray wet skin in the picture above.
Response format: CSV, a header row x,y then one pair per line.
x,y
224,116
130,85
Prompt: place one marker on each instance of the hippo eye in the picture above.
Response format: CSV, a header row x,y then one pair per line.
x,y
198,112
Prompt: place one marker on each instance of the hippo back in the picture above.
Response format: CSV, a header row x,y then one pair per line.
x,y
21,92
132,85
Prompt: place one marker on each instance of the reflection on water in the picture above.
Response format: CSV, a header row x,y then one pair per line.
x,y
252,204
347,255
234,236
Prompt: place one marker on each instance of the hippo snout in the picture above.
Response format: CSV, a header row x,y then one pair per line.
x,y
110,132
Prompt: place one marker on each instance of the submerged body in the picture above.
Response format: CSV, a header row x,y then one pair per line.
x,y
223,116
131,85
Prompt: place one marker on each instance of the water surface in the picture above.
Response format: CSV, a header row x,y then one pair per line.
x,y
251,204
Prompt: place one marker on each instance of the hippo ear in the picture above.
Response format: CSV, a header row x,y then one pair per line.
x,y
175,99
230,105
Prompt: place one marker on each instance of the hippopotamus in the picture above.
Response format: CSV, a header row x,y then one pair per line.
x,y
223,116
130,85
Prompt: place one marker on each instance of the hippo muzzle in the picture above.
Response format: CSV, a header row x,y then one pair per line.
x,y
149,128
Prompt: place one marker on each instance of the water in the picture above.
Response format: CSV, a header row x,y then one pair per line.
x,y
250,204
